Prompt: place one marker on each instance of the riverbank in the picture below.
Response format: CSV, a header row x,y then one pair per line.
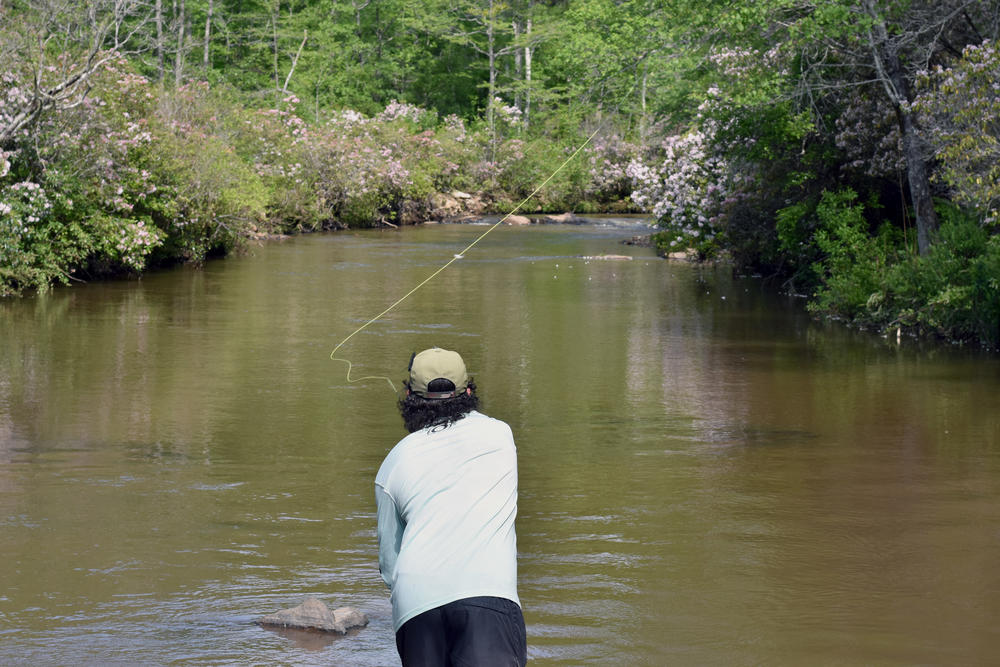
x,y
140,175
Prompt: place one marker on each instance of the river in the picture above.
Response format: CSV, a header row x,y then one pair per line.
x,y
707,475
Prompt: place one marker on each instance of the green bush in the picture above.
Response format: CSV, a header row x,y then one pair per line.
x,y
852,271
953,291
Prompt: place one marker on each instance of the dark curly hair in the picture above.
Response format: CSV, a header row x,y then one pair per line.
x,y
419,412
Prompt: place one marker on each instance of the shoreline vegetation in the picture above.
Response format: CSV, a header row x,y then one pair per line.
x,y
845,150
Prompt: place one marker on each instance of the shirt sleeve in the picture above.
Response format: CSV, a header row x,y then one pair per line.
x,y
390,534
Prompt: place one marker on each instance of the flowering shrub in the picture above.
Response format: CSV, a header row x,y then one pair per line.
x,y
959,108
684,187
749,75
69,207
507,116
24,209
396,110
868,133
608,159
135,175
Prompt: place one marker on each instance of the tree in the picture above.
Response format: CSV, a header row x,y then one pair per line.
x,y
179,53
883,44
483,27
160,62
961,111
59,46
208,33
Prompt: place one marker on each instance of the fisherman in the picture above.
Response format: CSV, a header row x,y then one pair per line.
x,y
447,499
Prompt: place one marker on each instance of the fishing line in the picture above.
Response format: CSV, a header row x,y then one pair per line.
x,y
459,255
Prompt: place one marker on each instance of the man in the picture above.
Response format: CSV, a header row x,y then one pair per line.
x,y
447,499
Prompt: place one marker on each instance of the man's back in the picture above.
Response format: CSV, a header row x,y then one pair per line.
x,y
447,500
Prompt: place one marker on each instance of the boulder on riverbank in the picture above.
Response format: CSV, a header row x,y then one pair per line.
x,y
562,219
689,255
411,213
455,206
312,614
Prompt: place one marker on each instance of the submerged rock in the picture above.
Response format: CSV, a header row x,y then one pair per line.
x,y
563,218
314,615
643,241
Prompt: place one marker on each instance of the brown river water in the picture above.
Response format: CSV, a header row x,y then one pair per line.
x,y
707,475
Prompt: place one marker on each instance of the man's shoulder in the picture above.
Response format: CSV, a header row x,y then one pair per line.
x,y
479,420
398,450
475,414
423,446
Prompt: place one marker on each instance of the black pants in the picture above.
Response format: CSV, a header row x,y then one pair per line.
x,y
472,632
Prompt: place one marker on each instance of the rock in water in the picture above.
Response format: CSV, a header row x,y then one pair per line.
x,y
563,218
349,617
314,615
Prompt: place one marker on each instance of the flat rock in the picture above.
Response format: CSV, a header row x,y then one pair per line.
x,y
314,615
562,218
643,241
444,207
517,220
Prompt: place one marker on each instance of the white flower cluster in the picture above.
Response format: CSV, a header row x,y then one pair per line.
x,y
684,189
455,126
609,159
135,241
349,118
27,200
24,207
506,113
396,110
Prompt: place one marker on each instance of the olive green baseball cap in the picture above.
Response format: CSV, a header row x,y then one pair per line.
x,y
437,364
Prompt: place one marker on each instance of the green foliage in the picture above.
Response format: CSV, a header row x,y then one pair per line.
x,y
37,242
961,111
854,262
954,291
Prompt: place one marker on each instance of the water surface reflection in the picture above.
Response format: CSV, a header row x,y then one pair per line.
x,y
707,475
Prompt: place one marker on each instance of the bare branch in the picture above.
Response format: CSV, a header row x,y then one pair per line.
x,y
106,29
295,61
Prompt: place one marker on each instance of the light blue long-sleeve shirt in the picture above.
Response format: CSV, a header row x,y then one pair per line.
x,y
447,500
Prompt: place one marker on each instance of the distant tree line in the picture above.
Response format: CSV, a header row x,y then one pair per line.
x,y
844,149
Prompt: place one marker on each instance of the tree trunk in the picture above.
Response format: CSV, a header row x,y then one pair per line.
x,y
890,73
274,43
295,61
527,74
179,55
642,100
491,55
160,65
919,180
518,65
208,32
